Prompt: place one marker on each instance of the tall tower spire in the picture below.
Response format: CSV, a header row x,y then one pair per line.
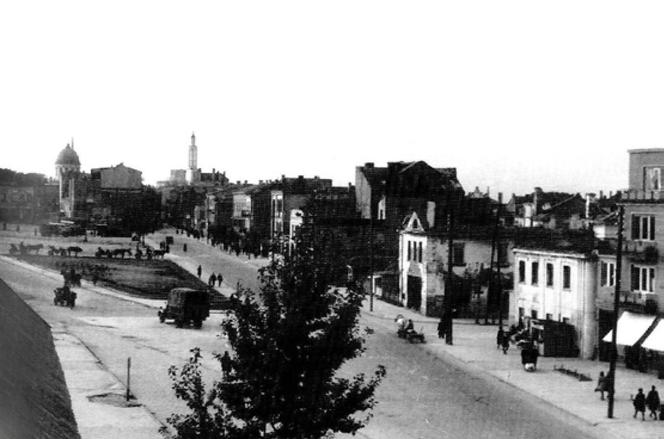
x,y
193,154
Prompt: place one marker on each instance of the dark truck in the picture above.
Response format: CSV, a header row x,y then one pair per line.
x,y
186,305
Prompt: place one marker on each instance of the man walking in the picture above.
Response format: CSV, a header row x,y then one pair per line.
x,y
639,402
212,280
220,279
199,271
652,401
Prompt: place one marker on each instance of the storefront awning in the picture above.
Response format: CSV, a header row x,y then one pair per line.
x,y
631,328
655,340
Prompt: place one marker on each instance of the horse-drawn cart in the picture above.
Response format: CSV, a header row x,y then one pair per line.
x,y
64,296
406,330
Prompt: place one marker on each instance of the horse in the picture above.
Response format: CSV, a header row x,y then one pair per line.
x,y
13,250
74,249
62,251
121,252
34,247
158,254
100,252
52,250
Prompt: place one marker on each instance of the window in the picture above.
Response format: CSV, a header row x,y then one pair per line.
x,y
549,274
409,251
458,253
653,179
643,227
607,274
502,254
642,279
534,273
522,271
567,277
419,252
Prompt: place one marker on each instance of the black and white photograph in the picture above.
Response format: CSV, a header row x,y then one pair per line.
x,y
323,220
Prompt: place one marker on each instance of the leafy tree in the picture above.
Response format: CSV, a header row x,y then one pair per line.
x,y
288,343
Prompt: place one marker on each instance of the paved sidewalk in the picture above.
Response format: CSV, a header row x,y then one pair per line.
x,y
475,347
98,397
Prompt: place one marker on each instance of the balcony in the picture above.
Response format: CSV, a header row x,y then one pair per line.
x,y
640,252
644,302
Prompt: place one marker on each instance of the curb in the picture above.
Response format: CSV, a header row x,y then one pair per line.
x,y
85,285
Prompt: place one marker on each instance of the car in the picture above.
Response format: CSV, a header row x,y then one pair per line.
x,y
185,306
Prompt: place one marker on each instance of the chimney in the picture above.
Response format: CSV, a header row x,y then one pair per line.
x,y
601,195
245,181
214,171
590,198
369,165
260,181
488,191
237,182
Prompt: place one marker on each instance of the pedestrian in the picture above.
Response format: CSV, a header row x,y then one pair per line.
x,y
199,271
226,364
652,401
441,328
505,344
499,338
220,279
212,280
184,248
601,385
639,402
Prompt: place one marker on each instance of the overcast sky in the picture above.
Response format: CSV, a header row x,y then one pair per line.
x,y
514,94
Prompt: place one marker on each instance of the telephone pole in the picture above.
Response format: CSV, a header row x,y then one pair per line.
x,y
616,307
448,280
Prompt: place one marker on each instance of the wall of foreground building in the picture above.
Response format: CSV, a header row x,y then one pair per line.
x,y
34,400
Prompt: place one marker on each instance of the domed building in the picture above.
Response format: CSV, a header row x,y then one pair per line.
x,y
67,169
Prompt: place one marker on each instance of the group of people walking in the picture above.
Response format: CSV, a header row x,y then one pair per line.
x,y
213,279
650,401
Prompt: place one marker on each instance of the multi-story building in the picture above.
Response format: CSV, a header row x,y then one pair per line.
x,y
555,281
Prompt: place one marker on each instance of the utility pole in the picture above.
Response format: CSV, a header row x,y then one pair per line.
x,y
499,280
371,261
448,280
616,307
490,289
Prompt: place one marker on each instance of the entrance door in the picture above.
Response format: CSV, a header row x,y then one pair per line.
x,y
414,292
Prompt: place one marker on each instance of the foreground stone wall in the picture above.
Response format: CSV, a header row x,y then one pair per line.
x,y
34,400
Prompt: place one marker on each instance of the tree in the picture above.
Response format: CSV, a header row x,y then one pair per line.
x,y
288,343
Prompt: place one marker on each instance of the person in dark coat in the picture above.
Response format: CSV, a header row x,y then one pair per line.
x,y
639,402
212,280
220,279
441,328
226,364
505,343
601,385
499,338
652,401
199,271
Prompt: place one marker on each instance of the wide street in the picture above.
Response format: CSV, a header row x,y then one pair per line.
x,y
421,397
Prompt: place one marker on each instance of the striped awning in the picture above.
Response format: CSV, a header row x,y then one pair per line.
x,y
631,327
655,340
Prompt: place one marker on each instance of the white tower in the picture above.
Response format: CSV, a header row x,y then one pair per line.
x,y
67,168
193,160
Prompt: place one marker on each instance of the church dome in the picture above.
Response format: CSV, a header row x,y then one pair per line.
x,y
68,157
